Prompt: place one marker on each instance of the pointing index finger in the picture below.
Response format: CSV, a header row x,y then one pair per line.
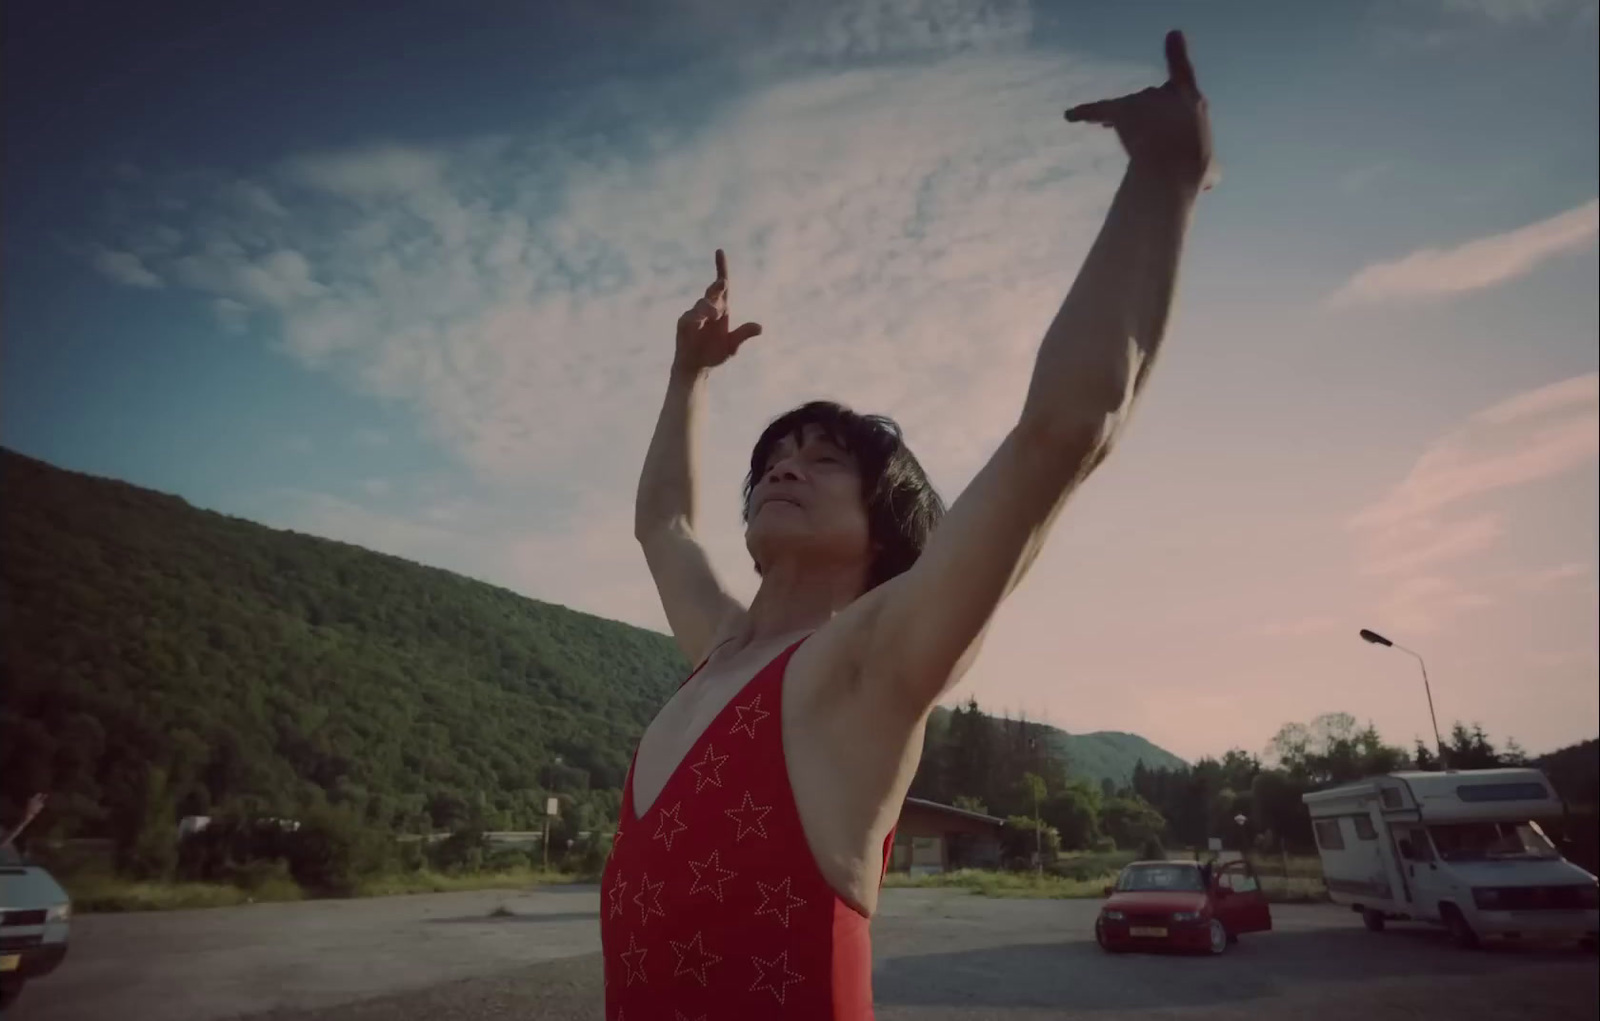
x,y
1179,70
722,267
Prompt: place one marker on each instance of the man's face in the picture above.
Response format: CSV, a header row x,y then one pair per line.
x,y
808,504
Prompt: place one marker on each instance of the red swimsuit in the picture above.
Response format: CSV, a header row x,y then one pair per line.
x,y
712,907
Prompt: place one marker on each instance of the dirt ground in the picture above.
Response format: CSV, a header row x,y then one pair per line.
x,y
940,956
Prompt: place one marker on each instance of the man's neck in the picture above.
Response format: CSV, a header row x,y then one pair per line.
x,y
793,601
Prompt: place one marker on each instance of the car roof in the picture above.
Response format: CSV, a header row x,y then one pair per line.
x,y
1181,864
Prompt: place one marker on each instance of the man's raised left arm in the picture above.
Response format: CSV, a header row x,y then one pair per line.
x,y
921,630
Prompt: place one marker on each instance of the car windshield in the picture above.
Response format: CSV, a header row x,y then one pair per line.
x,y
1482,841
1151,878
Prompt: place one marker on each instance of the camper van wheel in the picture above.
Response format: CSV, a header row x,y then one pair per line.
x,y
1460,930
1372,919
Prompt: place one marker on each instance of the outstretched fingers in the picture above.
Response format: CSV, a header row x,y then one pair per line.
x,y
1179,70
743,333
1093,113
719,286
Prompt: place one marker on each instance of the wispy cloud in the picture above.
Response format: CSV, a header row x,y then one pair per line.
x,y
1424,604
1545,578
1408,536
123,267
1513,11
1528,437
233,315
1575,393
518,292
1407,545
1473,265
377,487
1300,627
369,437
1360,178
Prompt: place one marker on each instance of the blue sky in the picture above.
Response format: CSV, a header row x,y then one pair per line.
x,y
408,280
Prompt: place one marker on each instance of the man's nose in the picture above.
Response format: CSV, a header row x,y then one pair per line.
x,y
785,470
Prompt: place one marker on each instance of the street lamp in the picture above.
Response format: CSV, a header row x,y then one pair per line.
x,y
1377,639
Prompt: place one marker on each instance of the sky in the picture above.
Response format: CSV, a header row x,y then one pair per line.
x,y
409,280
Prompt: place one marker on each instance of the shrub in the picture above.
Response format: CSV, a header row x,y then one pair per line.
x,y
1021,836
1151,850
331,852
462,851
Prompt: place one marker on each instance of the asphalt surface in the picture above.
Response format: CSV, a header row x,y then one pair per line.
x,y
940,956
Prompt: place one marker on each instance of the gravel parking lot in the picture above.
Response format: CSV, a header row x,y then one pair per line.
x,y
941,956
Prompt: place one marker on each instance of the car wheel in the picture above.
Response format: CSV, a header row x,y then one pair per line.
x,y
1373,920
1460,928
1219,936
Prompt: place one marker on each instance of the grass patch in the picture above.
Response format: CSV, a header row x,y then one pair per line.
x,y
1292,889
1006,884
102,894
99,893
426,881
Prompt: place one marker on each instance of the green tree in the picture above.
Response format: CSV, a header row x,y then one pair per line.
x,y
1074,813
1131,821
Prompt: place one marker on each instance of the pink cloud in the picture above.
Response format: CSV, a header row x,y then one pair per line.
x,y
1578,391
1485,455
1406,535
1472,265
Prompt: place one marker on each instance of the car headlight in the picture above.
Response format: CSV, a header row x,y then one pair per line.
x,y
59,913
1186,916
1113,916
1487,898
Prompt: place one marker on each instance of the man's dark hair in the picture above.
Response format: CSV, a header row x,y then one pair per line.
x,y
902,505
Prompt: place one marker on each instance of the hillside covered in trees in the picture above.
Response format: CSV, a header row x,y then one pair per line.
x,y
160,660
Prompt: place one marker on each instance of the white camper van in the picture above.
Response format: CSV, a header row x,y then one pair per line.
x,y
1461,848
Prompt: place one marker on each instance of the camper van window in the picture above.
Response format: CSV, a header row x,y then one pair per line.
x,y
1364,828
1329,837
1482,841
1391,798
1502,792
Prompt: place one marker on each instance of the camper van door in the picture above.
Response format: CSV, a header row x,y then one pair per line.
x,y
1421,867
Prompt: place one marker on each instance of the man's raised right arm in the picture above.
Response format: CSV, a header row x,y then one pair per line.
x,y
696,603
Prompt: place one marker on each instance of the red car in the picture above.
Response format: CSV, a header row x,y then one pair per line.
x,y
1181,905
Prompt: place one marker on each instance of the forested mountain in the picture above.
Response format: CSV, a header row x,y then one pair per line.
x,y
1111,755
162,659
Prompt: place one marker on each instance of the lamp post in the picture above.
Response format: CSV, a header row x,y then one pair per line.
x,y
1376,639
1244,845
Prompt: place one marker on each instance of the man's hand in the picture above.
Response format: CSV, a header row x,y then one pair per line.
x,y
704,340
1164,129
35,806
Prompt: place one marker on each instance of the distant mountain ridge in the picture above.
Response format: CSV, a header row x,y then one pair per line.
x,y
1112,754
